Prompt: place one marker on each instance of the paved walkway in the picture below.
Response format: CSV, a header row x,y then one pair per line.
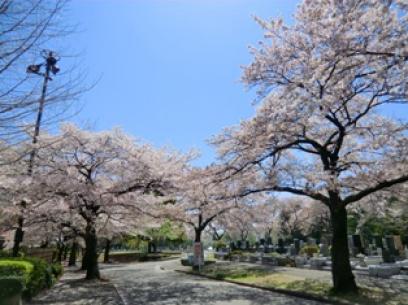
x,y
155,283
158,284
74,290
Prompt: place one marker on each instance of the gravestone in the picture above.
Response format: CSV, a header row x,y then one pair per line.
x,y
377,240
296,243
311,241
281,246
372,250
357,243
390,245
257,245
324,249
350,242
247,245
292,250
268,242
387,256
398,245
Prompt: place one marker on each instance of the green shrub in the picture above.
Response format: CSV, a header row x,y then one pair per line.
x,y
16,268
281,259
5,253
41,277
309,250
10,286
36,273
219,244
237,252
57,270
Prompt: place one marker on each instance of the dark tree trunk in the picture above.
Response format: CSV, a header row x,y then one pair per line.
x,y
197,238
149,246
73,254
91,254
343,278
84,261
66,249
60,253
107,250
18,237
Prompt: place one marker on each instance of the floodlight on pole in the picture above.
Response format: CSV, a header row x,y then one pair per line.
x,y
50,64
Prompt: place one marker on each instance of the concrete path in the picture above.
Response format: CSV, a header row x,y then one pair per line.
x,y
157,283
72,289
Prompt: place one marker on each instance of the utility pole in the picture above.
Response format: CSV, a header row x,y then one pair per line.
x,y
50,64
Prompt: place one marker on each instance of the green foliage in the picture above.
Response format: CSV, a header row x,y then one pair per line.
x,y
237,252
57,270
5,253
219,244
10,286
168,232
35,273
309,250
132,242
21,269
281,259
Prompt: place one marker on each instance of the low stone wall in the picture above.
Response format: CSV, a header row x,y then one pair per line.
x,y
128,257
45,254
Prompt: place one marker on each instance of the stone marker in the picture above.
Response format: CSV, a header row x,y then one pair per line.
x,y
390,245
387,257
296,243
311,241
377,240
357,243
398,245
383,270
324,249
352,249
292,250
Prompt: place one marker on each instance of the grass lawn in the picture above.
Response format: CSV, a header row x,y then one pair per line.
x,y
371,293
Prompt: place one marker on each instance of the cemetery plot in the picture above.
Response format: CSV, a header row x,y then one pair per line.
x,y
372,290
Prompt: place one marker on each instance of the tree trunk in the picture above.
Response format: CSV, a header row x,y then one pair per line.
x,y
107,249
197,238
18,237
60,249
66,249
343,278
149,246
83,264
91,253
73,254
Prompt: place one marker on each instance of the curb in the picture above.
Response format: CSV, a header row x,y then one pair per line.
x,y
121,297
298,294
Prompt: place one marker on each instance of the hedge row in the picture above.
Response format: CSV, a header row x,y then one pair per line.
x,y
34,273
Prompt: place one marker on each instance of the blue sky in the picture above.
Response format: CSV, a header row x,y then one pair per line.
x,y
169,69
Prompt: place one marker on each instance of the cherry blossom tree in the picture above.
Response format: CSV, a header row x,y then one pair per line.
x,y
321,129
292,215
200,199
241,222
102,179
